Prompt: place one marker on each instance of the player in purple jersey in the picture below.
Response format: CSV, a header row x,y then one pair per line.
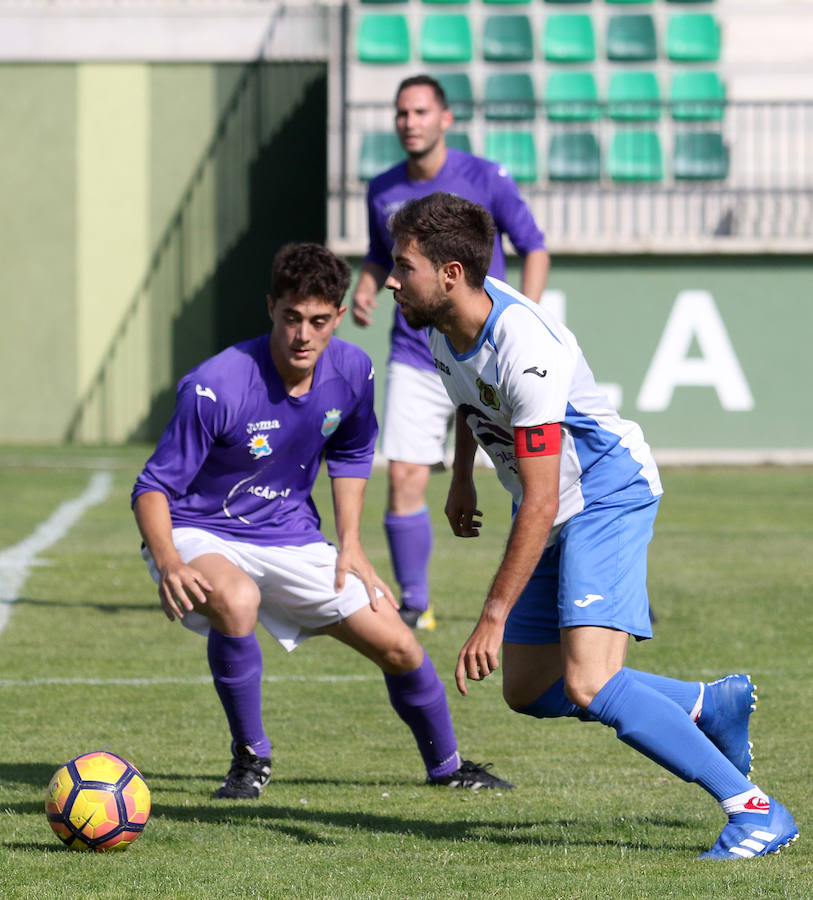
x,y
232,536
417,411
571,587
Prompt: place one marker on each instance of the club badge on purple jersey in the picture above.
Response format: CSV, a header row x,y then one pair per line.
x,y
258,446
331,421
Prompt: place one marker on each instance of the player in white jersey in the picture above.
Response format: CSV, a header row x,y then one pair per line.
x,y
571,587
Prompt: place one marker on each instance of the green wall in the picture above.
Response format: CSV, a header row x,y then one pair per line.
x,y
143,204
734,369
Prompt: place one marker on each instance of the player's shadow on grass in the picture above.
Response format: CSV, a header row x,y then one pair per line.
x,y
32,774
63,603
302,823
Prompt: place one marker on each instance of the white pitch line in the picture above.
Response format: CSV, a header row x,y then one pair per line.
x,y
16,561
149,682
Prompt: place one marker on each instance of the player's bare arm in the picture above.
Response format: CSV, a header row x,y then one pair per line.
x,y
179,582
535,268
371,279
461,502
348,501
539,476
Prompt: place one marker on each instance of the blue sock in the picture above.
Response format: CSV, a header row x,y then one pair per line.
x,y
660,729
419,698
237,667
552,704
684,693
410,542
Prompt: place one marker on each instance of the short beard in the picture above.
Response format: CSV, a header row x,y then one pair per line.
x,y
424,318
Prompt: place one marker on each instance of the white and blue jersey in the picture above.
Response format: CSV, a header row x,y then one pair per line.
x,y
527,369
240,456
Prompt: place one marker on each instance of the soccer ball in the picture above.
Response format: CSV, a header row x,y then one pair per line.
x,y
98,801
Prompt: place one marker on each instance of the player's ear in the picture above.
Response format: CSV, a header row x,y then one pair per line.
x,y
269,302
452,274
339,316
446,119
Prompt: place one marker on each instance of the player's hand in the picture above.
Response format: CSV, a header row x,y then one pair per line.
x,y
480,655
353,560
461,508
180,586
362,309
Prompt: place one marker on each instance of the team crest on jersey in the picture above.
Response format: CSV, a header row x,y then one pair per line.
x,y
258,446
331,421
488,396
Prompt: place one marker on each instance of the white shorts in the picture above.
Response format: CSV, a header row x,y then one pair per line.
x,y
297,593
419,418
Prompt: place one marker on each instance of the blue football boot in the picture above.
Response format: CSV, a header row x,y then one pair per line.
x,y
727,707
749,834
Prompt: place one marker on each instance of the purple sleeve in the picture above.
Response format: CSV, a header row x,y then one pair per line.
x,y
513,216
380,249
349,452
183,446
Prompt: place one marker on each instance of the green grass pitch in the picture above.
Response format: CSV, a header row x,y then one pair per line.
x,y
87,661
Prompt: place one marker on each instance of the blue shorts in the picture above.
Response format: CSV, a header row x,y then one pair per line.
x,y
595,573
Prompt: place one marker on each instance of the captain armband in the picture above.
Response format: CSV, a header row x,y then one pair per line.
x,y
538,440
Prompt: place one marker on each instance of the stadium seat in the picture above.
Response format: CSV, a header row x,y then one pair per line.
x,y
446,38
456,2
635,156
631,38
693,37
380,150
459,140
511,2
510,95
515,150
700,154
508,39
569,38
459,96
383,39
633,96
697,95
574,156
636,2
572,97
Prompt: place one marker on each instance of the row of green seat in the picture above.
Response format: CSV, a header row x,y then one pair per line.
x,y
634,155
573,96
566,38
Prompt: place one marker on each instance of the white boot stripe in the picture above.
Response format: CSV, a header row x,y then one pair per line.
x,y
754,845
764,835
740,852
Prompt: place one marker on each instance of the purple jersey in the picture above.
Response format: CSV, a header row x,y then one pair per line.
x,y
240,456
472,178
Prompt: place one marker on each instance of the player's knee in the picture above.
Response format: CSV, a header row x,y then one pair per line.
x,y
233,609
579,692
402,654
517,695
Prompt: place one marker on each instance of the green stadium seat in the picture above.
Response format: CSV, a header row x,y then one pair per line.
x,y
510,95
459,95
693,37
700,155
508,38
446,38
631,38
574,156
380,150
697,95
515,150
569,38
459,140
572,97
635,156
383,39
633,96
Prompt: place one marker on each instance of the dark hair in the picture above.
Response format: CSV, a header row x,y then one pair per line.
x,y
424,81
447,227
309,270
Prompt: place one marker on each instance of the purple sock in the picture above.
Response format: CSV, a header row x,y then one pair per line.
x,y
410,540
237,666
419,698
